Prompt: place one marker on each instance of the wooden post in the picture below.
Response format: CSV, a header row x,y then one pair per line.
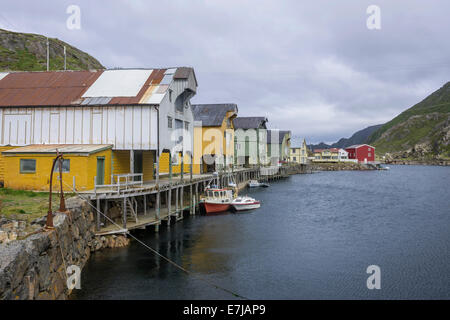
x,y
145,204
105,210
98,215
176,200
169,201
181,200
191,202
196,195
124,211
131,161
182,167
157,205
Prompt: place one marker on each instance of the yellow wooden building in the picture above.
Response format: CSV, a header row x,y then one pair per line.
x,y
28,168
299,154
2,163
213,137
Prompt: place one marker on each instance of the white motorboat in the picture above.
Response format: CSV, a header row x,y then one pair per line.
x,y
245,203
256,184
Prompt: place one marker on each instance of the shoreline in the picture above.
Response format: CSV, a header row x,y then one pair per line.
x,y
442,163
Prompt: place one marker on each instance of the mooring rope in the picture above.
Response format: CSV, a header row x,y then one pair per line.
x,y
160,255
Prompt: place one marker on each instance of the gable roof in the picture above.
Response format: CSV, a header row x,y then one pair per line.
x,y
250,123
93,87
356,146
212,115
272,135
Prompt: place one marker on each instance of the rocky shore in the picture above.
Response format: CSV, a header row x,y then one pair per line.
x,y
337,166
434,162
36,267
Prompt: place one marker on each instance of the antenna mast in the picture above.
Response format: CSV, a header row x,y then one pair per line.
x,y
48,57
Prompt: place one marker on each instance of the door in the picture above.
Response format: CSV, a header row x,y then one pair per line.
x,y
100,171
138,163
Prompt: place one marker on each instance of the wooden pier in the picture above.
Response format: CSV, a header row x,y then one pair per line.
x,y
134,204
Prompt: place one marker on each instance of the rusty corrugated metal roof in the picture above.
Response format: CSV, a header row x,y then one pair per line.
x,y
64,88
45,88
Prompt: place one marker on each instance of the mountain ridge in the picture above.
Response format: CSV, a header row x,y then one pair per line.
x,y
421,132
359,137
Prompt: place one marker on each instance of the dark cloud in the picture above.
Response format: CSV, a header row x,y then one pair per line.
x,y
310,66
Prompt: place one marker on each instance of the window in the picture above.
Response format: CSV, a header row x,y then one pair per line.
x,y
27,165
169,122
370,154
170,95
186,126
65,166
295,159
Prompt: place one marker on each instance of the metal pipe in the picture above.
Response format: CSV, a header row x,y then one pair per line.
x,y
49,222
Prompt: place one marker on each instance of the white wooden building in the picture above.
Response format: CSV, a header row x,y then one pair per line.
x,y
135,110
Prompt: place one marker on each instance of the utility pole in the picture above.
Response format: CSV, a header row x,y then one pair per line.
x,y
48,57
65,65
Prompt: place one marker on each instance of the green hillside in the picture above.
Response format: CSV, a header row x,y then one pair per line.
x,y
420,133
28,52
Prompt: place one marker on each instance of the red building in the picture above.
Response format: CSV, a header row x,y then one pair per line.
x,y
362,152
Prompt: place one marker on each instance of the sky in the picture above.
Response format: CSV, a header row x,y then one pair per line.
x,y
312,67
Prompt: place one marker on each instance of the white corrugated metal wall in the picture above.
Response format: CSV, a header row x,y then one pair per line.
x,y
133,127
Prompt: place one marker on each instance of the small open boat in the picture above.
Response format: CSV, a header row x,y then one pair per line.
x,y
245,203
256,184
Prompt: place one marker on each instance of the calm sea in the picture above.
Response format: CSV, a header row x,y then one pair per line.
x,y
313,238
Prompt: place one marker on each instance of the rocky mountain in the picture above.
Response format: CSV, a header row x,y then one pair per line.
x,y
28,52
422,132
358,137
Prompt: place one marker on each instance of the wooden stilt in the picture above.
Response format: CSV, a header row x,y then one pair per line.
x,y
176,200
191,202
98,215
124,212
145,204
105,211
181,201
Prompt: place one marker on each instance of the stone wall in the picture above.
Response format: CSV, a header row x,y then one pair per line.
x,y
35,268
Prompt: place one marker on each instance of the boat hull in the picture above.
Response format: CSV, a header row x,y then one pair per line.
x,y
246,206
216,207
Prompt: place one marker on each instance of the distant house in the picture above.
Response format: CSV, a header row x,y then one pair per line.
x,y
330,155
250,140
299,154
213,136
140,112
363,153
278,146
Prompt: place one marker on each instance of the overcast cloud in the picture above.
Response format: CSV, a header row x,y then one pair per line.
x,y
311,67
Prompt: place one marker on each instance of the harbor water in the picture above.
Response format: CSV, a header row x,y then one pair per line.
x,y
313,238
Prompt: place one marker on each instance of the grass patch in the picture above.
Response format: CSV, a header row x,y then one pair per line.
x,y
26,205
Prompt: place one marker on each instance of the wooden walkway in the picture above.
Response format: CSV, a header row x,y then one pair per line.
x,y
138,204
